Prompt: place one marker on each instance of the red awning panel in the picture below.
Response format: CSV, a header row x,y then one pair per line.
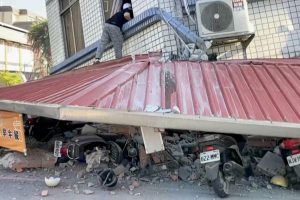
x,y
257,90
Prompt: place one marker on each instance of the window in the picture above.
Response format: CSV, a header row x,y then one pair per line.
x,y
107,7
72,24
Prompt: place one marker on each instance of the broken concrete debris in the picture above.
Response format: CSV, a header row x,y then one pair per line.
x,y
143,157
135,184
44,193
184,172
156,108
269,187
271,165
131,187
174,177
88,130
94,159
71,162
88,192
120,170
90,184
81,182
297,170
67,190
63,165
81,174
254,185
119,159
36,158
76,189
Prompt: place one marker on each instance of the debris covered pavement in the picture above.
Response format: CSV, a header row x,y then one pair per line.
x,y
30,185
111,162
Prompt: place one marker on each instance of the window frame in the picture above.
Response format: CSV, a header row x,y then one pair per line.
x,y
115,7
62,11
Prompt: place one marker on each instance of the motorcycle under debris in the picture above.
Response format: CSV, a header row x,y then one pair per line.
x,y
219,155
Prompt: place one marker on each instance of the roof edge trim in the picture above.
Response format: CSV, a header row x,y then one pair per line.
x,y
43,110
159,120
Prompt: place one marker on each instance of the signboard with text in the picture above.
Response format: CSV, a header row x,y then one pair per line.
x,y
12,131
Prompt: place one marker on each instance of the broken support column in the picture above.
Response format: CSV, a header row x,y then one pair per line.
x,y
152,139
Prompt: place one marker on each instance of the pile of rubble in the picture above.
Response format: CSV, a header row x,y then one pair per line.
x,y
116,156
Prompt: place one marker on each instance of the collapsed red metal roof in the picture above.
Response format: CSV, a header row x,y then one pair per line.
x,y
241,89
258,97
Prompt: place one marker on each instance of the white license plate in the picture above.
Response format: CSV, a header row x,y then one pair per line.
x,y
57,148
210,156
293,160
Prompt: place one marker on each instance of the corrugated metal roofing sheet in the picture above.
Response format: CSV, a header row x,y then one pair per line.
x,y
242,89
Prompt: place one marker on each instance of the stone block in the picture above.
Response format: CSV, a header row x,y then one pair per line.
x,y
36,158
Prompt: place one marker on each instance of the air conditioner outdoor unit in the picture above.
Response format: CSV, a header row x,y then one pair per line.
x,y
223,18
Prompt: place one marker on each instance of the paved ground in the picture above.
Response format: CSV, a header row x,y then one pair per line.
x,y
29,184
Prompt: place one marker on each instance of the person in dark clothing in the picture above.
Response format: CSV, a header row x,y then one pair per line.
x,y
125,3
112,31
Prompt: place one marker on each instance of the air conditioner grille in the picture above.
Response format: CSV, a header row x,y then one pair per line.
x,y
217,16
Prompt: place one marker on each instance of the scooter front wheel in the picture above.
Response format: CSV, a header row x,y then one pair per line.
x,y
221,186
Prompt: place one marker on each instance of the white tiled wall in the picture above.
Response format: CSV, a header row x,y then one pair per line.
x,y
55,31
140,6
276,22
92,20
277,31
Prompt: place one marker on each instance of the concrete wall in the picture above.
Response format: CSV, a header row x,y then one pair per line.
x,y
15,52
276,23
15,57
6,17
14,34
10,16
